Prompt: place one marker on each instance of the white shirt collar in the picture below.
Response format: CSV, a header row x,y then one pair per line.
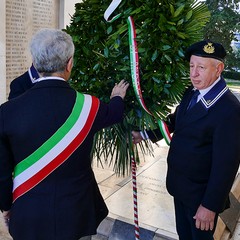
x,y
49,78
206,90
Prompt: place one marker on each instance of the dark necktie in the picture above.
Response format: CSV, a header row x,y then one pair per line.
x,y
193,100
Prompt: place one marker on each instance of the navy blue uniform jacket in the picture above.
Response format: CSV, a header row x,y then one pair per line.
x,y
67,204
22,83
204,153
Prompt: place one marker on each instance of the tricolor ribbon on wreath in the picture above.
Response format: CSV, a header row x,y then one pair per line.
x,y
134,63
134,60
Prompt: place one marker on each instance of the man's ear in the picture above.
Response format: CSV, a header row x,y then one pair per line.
x,y
69,64
220,68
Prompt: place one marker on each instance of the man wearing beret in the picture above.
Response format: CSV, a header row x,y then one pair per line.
x,y
204,153
23,82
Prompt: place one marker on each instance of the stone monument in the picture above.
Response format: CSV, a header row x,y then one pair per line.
x,y
23,19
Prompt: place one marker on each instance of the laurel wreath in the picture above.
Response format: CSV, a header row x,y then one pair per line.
x,y
164,30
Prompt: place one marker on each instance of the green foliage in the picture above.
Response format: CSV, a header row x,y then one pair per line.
x,y
231,75
164,30
223,25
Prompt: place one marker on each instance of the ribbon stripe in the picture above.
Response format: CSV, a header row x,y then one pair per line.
x,y
134,63
111,8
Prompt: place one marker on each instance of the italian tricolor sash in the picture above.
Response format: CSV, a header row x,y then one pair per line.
x,y
58,148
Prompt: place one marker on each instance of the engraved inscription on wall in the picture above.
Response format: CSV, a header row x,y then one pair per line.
x,y
23,19
16,37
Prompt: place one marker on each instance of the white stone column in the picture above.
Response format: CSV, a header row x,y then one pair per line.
x,y
61,13
67,9
3,51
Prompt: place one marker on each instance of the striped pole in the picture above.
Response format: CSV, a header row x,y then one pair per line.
x,y
134,181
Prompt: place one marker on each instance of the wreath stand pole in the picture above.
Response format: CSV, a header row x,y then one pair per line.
x,y
135,203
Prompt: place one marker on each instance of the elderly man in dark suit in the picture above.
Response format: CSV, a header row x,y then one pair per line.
x,y
22,83
47,186
204,153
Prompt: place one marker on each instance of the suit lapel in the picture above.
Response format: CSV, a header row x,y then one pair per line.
x,y
201,109
214,94
195,113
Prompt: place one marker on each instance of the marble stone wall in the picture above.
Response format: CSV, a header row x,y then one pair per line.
x,y
23,18
2,52
19,20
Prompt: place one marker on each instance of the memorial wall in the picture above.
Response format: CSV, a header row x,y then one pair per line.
x,y
23,19
2,52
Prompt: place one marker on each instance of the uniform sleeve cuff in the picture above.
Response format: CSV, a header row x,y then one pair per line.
x,y
144,135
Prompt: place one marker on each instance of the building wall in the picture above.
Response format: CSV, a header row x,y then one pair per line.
x,y
2,51
23,19
19,20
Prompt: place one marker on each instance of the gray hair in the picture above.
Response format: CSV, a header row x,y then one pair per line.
x,y
51,50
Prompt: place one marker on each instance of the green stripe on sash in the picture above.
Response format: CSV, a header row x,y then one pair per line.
x,y
54,139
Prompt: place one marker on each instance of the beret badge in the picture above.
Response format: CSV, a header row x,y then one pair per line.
x,y
209,48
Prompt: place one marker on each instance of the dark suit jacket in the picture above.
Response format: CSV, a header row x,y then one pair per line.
x,y
204,153
22,83
67,204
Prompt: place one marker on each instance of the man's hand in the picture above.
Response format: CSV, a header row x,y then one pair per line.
x,y
204,218
136,137
120,89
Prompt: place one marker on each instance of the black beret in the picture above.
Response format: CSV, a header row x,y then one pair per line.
x,y
207,49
